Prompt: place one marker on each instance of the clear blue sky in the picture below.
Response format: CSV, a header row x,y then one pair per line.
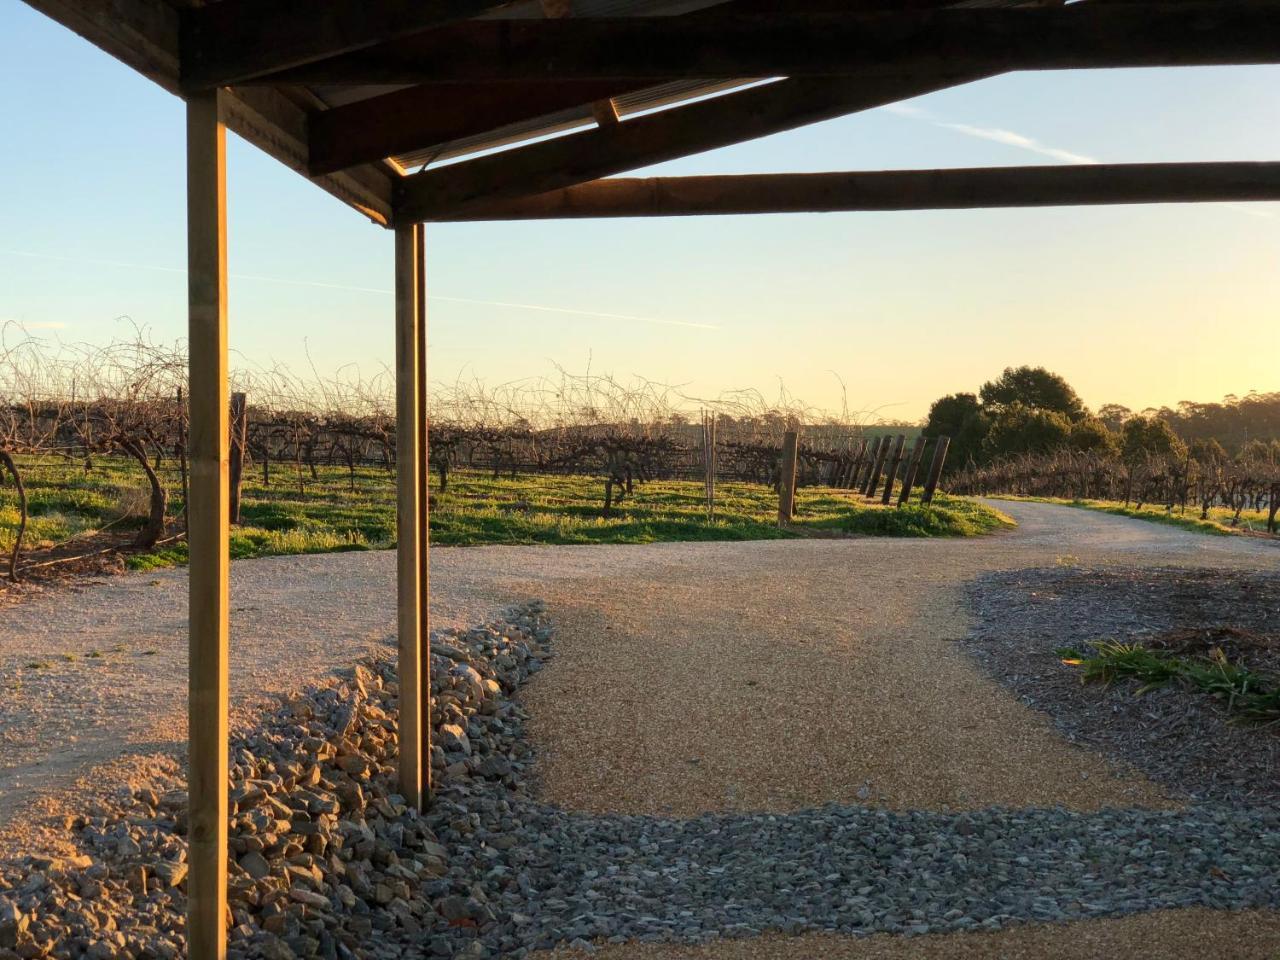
x,y
1136,305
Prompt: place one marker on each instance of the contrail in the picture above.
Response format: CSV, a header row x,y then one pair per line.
x,y
1021,142
380,291
994,134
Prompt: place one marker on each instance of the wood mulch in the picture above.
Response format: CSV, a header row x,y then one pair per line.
x,y
1180,737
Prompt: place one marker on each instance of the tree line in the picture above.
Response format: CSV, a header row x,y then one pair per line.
x,y
1033,411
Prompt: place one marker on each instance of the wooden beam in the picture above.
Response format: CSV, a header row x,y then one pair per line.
x,y
418,117
713,45
237,40
408,256
646,140
207,527
958,189
279,126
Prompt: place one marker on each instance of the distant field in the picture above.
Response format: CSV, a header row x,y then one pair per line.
x,y
337,512
1217,524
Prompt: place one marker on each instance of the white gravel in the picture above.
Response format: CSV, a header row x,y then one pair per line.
x,y
112,656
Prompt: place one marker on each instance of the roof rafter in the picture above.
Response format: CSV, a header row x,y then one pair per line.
x,y
955,189
237,40
730,44
416,117
666,135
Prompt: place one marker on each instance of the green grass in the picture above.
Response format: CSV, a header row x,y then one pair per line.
x,y
1249,695
329,515
1218,523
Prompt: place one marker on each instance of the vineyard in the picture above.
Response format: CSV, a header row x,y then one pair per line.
x,y
93,444
1211,486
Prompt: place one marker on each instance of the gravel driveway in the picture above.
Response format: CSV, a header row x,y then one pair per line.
x,y
92,676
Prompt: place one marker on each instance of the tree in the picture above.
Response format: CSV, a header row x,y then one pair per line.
x,y
1034,388
960,417
1114,415
1260,451
1090,435
1144,437
1208,451
1021,429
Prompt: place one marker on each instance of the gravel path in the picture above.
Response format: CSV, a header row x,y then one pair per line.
x,y
112,659
739,741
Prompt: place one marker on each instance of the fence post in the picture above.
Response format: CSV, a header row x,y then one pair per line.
x,y
239,437
873,482
1273,505
892,472
787,484
855,469
865,484
913,467
935,468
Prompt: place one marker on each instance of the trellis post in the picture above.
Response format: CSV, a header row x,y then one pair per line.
x,y
873,481
207,522
891,472
787,482
935,468
913,468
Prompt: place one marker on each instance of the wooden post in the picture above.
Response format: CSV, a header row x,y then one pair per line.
x,y
207,536
408,557
935,468
787,483
913,468
873,482
711,475
424,521
709,462
873,455
855,469
892,472
239,436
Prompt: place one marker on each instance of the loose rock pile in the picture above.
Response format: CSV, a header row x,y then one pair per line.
x,y
326,859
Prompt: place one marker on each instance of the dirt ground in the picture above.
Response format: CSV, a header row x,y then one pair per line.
x,y
1166,934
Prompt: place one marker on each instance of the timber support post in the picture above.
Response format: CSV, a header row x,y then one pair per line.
x,y
207,523
892,472
424,522
935,468
787,483
408,557
913,468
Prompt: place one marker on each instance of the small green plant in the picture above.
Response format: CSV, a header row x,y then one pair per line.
x,y
1246,694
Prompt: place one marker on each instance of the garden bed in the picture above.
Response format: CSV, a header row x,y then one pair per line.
x,y
1147,640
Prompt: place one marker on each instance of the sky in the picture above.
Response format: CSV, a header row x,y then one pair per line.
x,y
885,312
